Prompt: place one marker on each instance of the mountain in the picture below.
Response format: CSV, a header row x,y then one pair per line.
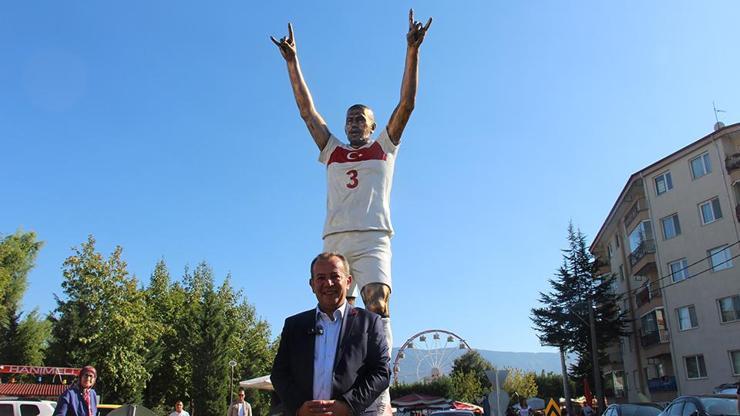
x,y
418,364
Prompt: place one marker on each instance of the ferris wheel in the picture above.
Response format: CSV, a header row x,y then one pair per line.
x,y
433,350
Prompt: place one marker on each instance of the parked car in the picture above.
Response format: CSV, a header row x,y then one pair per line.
x,y
26,407
451,412
727,388
703,405
633,409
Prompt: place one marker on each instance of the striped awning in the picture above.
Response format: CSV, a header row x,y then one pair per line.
x,y
40,391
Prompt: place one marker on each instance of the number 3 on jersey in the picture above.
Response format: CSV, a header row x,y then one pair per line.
x,y
353,182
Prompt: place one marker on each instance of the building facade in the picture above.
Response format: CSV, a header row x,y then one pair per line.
x,y
672,241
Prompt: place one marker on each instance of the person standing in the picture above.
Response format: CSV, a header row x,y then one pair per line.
x,y
333,359
240,407
179,411
80,399
524,409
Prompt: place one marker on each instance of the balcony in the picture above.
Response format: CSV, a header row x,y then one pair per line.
x,y
633,212
651,338
732,162
642,259
662,384
647,293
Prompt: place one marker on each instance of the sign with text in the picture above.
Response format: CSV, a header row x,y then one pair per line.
x,y
38,371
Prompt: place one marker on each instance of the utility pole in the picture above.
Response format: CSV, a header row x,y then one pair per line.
x,y
595,356
566,384
232,363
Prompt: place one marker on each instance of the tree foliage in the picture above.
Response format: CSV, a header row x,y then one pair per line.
x,y
474,363
550,385
563,318
22,339
440,387
520,383
103,321
466,387
161,343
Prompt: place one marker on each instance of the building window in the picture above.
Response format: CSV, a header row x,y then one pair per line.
x,y
729,308
700,166
663,183
679,270
695,367
719,258
641,233
621,273
687,318
735,360
710,211
671,226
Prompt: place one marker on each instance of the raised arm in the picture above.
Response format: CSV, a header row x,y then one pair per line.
x,y
315,123
403,110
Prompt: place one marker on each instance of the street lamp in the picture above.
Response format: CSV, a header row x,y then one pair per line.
x,y
232,363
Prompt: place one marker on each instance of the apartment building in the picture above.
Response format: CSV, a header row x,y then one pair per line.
x,y
672,240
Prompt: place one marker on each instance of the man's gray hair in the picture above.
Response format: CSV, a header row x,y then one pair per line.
x,y
326,256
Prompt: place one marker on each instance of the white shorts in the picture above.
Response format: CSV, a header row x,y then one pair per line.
x,y
368,253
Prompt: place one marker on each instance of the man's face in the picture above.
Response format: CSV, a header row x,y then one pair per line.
x,y
87,379
359,126
329,283
178,407
241,396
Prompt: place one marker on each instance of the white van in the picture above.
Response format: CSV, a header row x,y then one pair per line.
x,y
26,407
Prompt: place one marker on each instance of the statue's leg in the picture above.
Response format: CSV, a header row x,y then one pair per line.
x,y
369,256
373,270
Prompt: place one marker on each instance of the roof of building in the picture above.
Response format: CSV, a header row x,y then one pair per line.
x,y
32,390
637,175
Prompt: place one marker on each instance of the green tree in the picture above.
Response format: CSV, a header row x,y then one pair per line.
x,y
103,321
522,383
209,344
466,386
169,359
563,318
473,362
22,340
26,339
440,387
550,385
17,257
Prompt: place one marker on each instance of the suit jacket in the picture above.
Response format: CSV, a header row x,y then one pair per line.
x,y
234,409
361,367
72,402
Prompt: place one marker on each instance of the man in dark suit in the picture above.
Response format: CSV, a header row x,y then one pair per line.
x,y
332,360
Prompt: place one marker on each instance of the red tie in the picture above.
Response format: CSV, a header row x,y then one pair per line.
x,y
86,396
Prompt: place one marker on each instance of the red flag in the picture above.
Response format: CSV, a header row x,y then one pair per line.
x,y
587,393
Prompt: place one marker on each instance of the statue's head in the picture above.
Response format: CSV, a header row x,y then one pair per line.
x,y
360,125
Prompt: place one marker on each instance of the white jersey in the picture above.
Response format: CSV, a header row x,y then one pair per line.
x,y
359,185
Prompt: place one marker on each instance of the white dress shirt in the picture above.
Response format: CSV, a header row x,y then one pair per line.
x,y
328,330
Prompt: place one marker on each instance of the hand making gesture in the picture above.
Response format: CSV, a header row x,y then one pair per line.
x,y
416,31
287,44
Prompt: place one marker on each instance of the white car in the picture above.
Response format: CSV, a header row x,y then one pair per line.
x,y
26,407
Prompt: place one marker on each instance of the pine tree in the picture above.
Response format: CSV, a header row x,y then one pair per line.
x,y
209,345
22,340
563,318
169,359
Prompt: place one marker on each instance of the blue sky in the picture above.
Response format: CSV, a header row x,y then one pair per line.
x,y
169,128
